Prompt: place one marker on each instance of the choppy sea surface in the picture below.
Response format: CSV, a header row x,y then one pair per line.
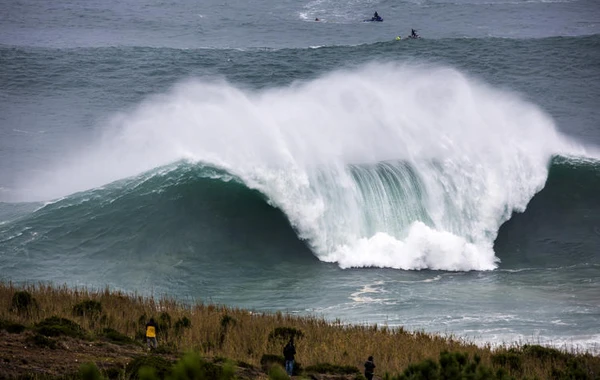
x,y
245,154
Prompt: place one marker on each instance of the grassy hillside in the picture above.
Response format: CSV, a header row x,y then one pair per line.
x,y
50,318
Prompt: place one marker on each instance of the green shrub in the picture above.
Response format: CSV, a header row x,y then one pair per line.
x,y
55,326
23,302
41,341
89,371
425,370
268,360
228,370
188,367
451,366
332,369
211,370
542,353
192,366
160,365
227,320
185,322
573,370
164,321
116,337
182,323
147,373
278,373
11,327
88,308
14,328
510,360
285,333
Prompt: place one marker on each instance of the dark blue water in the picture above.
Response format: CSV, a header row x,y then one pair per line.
x,y
245,154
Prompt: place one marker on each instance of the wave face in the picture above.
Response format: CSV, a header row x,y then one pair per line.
x,y
383,166
560,225
206,212
182,208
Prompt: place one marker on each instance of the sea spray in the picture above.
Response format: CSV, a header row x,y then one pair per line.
x,y
385,165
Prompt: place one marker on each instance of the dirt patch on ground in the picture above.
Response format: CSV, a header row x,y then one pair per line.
x,y
29,354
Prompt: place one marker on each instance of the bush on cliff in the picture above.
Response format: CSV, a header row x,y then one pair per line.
x,y
55,326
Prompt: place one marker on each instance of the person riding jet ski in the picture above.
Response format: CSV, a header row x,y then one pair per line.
x,y
376,17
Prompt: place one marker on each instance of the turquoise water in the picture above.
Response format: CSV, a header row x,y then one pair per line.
x,y
250,156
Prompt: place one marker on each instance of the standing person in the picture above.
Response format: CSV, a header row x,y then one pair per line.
x,y
369,368
288,353
151,328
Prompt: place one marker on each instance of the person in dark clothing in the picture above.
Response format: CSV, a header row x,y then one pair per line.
x,y
151,328
288,353
376,17
414,34
369,368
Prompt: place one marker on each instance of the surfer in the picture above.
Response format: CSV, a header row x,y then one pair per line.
x,y
413,34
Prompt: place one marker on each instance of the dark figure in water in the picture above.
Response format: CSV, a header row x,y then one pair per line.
x,y
413,34
376,17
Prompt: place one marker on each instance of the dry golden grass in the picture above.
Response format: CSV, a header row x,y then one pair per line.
x,y
246,338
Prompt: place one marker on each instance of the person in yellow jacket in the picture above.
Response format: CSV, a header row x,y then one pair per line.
x,y
151,328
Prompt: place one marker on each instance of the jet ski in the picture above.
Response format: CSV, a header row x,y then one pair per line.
x,y
374,19
414,34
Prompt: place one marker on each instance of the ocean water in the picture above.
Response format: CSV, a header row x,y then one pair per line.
x,y
244,154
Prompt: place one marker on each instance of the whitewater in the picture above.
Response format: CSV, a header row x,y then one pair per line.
x,y
385,165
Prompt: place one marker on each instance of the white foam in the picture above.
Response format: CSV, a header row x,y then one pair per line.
x,y
424,248
475,154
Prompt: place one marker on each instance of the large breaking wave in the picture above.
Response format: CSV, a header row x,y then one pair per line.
x,y
385,165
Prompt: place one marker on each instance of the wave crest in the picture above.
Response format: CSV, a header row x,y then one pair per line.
x,y
384,165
